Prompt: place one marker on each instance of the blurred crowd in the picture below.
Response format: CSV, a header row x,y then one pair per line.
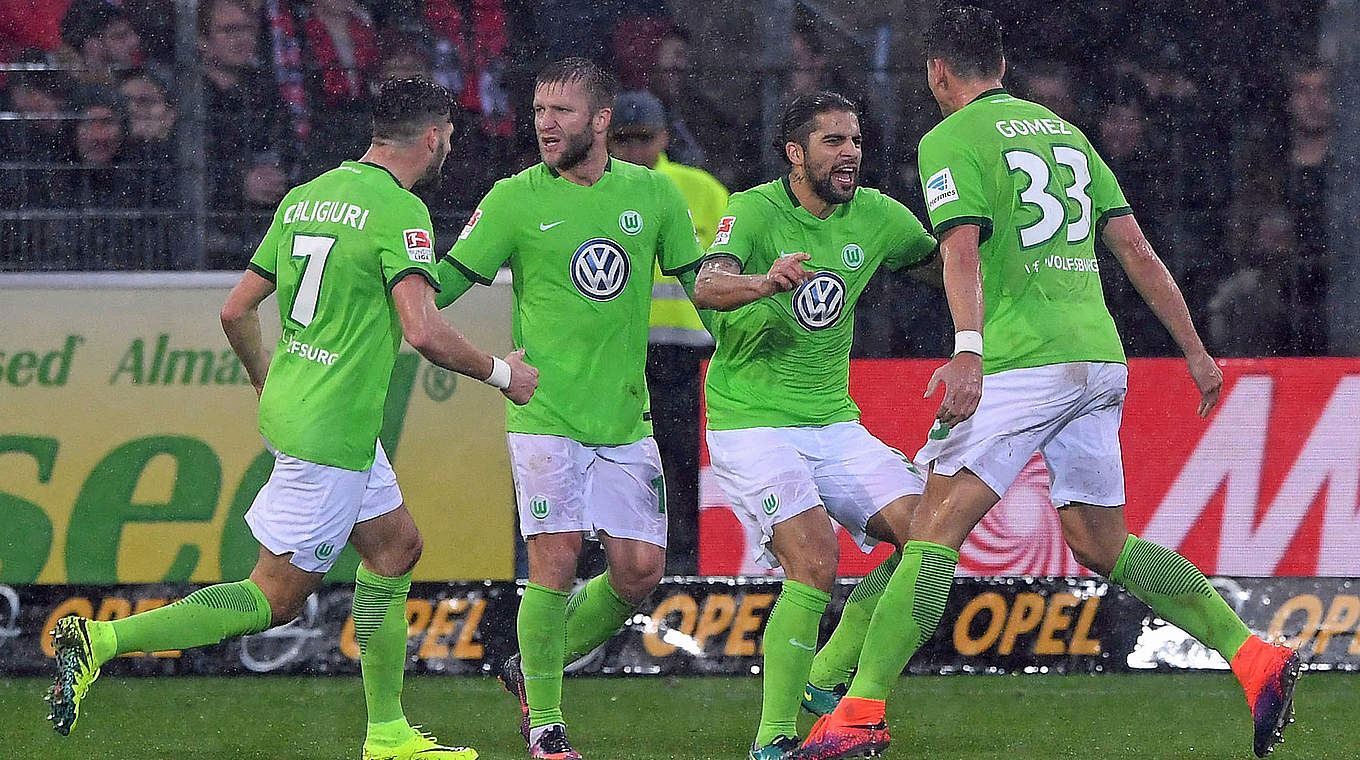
x,y
99,125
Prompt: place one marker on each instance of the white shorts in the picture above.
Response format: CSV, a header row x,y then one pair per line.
x,y
565,486
1070,413
772,474
309,509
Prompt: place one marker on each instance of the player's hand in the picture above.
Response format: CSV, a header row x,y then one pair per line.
x,y
523,379
1208,378
962,378
787,273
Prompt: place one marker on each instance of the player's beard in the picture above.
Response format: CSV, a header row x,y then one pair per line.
x,y
434,173
575,149
824,188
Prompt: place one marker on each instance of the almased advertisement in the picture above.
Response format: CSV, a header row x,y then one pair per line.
x,y
128,442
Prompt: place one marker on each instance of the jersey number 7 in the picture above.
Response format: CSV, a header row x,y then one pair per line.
x,y
315,249
1052,210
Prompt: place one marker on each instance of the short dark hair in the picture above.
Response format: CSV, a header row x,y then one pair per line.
x,y
968,40
600,85
799,117
406,107
88,18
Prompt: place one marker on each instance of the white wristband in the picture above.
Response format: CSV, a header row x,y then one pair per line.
x,y
500,374
968,341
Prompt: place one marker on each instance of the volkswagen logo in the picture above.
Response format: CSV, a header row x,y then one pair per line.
x,y
599,269
817,303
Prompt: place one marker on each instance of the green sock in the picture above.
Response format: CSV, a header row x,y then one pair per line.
x,y
380,631
839,656
790,639
594,613
204,617
1178,592
905,618
541,627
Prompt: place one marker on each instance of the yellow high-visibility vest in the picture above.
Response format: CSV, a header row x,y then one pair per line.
x,y
673,318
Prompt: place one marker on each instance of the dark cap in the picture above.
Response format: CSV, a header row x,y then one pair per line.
x,y
88,18
637,111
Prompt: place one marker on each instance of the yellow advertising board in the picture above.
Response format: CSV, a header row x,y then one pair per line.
x,y
128,444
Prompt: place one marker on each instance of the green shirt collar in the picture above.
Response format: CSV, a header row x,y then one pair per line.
x,y
608,166
376,166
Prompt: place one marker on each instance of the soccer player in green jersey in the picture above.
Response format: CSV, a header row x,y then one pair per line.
x,y
581,232
1017,196
350,255
786,271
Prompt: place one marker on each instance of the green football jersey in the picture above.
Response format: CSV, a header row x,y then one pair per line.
x,y
336,247
582,260
784,360
1040,194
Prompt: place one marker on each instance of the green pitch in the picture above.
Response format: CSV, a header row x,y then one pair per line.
x,y
985,717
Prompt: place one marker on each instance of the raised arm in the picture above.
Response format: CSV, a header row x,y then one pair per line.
x,y
721,285
241,322
438,341
1155,284
962,376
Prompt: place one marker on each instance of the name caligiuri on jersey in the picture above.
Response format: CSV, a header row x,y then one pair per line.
x,y
327,211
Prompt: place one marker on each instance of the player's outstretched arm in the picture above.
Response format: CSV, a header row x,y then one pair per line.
x,y
438,341
1155,284
241,323
962,376
721,285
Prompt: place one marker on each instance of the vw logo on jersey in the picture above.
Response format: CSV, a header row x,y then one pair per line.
x,y
817,303
599,269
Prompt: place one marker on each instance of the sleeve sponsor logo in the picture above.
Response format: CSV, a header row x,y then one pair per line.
x,y
471,222
940,189
418,246
724,233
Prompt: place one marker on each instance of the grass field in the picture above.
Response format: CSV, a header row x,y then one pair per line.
x,y
991,717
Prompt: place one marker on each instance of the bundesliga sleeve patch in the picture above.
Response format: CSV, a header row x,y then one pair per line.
x,y
471,222
724,230
940,189
418,246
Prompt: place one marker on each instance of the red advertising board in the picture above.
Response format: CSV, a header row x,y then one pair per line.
x,y
1266,486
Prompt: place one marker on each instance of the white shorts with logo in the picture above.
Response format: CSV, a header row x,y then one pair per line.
x,y
772,474
1069,413
309,509
564,486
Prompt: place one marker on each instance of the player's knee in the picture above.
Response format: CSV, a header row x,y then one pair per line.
x,y
1092,556
636,582
814,566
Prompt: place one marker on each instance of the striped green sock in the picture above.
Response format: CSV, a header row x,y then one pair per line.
x,y
839,656
906,616
594,613
380,631
1178,592
204,617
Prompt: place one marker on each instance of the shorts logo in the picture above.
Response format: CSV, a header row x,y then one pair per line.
x,y
853,256
630,222
939,431
324,551
538,507
940,189
418,246
599,269
471,222
724,233
817,303
770,504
